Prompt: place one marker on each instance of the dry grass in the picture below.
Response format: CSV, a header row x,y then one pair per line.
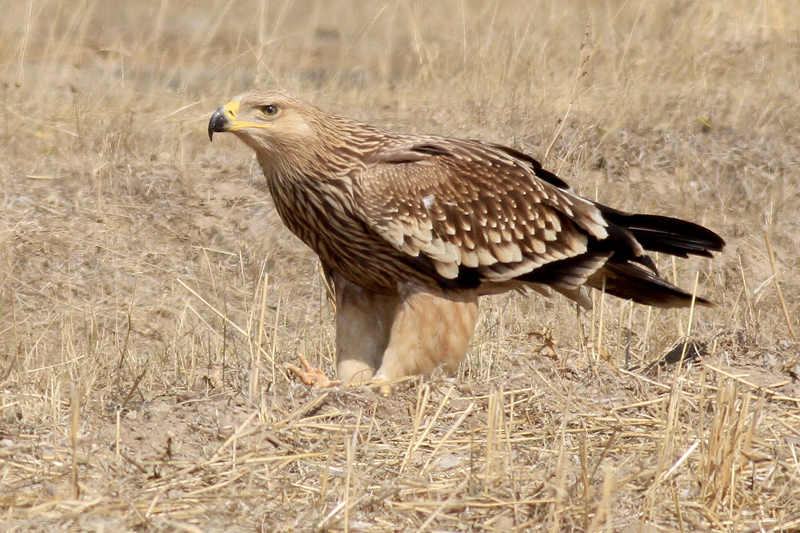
x,y
150,296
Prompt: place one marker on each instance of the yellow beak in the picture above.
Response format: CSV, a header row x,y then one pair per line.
x,y
224,119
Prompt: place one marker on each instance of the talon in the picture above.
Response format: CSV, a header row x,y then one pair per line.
x,y
311,375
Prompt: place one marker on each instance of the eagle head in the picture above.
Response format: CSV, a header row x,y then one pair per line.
x,y
275,124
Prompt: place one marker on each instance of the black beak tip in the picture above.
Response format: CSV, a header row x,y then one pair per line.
x,y
218,122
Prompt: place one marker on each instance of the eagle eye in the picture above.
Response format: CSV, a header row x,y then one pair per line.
x,y
270,110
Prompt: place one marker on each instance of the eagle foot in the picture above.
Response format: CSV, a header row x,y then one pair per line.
x,y
311,375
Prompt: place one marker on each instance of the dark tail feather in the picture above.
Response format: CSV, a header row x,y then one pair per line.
x,y
665,234
631,282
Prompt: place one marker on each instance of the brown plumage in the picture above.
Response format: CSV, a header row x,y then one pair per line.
x,y
412,229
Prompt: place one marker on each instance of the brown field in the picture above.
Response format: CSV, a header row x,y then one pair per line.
x,y
150,296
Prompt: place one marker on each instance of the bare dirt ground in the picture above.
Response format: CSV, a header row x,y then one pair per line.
x,y
150,296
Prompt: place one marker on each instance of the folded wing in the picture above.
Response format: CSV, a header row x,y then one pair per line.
x,y
488,215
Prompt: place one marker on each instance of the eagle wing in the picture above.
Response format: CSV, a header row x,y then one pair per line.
x,y
482,212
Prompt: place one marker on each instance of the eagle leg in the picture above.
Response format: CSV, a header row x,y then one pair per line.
x,y
429,330
363,322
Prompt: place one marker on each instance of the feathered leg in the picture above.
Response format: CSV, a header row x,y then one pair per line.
x,y
363,322
385,337
428,331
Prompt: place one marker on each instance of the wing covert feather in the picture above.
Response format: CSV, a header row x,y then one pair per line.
x,y
467,204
